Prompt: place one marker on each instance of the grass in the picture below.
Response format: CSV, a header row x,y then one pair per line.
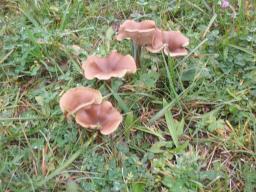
x,y
189,123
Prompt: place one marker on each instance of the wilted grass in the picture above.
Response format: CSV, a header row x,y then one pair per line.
x,y
189,123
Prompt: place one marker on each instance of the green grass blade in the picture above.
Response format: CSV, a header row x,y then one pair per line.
x,y
119,100
161,113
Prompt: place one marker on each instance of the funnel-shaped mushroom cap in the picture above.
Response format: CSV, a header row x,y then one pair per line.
x,y
103,116
77,98
157,42
140,32
114,65
175,43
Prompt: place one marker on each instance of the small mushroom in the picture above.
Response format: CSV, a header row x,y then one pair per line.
x,y
175,43
100,116
157,42
172,42
140,32
76,98
114,65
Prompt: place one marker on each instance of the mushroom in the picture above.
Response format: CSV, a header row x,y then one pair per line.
x,y
175,43
157,42
172,42
100,116
76,98
114,65
141,34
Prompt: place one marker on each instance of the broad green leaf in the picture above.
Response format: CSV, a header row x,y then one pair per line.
x,y
129,119
120,101
188,75
109,33
179,127
138,187
150,131
72,187
180,148
160,147
171,125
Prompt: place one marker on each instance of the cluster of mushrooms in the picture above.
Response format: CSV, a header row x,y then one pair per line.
x,y
148,35
86,104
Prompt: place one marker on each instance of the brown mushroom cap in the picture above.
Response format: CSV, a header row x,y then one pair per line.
x,y
157,42
175,43
140,32
114,65
77,98
103,116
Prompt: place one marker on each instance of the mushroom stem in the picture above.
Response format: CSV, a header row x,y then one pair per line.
x,y
136,52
